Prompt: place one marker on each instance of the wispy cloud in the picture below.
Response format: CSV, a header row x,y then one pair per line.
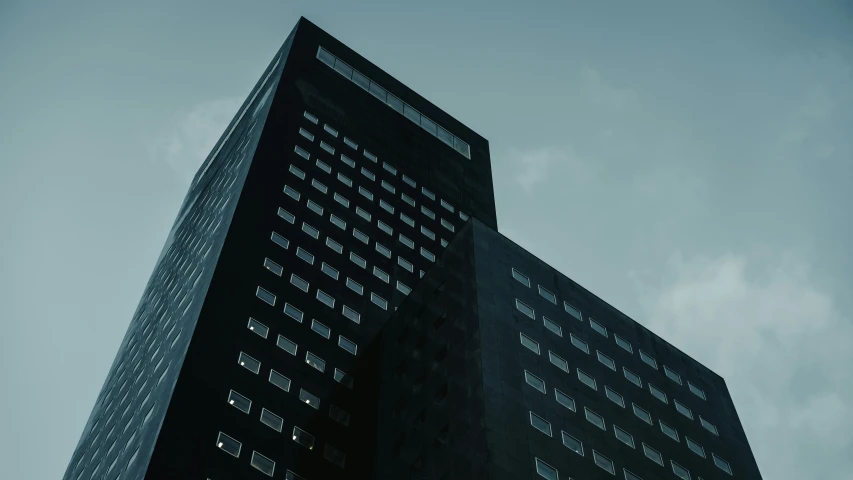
x,y
782,346
537,166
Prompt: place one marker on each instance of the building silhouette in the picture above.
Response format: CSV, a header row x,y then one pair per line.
x,y
333,301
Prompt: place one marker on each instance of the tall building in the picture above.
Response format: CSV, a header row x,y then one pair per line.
x,y
316,314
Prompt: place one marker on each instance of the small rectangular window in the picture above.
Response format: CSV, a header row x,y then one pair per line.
x,y
344,179
350,143
409,181
299,173
370,156
309,398
315,361
367,173
642,414
286,344
623,436
427,254
338,222
293,312
405,264
306,134
525,309
363,213
407,220
305,255
262,463
722,464
586,379
239,402
249,363
321,329
552,326
572,443
530,343
382,249
547,295
280,380
623,343
405,290
429,213
287,216
632,377
337,247
605,463
228,444
694,447
444,243
323,166
271,420
319,186
658,393
572,311
594,418
427,193
708,425
679,471
331,131
386,206
341,199
463,217
280,241
427,233
558,361
653,454
311,118
351,314
315,207
577,342
447,206
564,400
365,193
303,438
447,225
258,327
339,415
354,286
385,227
379,301
265,295
347,344
614,397
389,168
546,471
540,424
344,379
313,232
357,260
696,390
534,381
630,476
682,409
378,273
406,241
672,375
407,199
606,361
388,186
598,327
325,146
668,430
302,152
347,160
648,359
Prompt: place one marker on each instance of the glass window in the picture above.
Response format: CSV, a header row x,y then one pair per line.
x,y
279,240
594,418
361,81
572,310
303,438
696,390
299,173
309,398
367,173
722,464
385,251
648,359
331,131
344,378
443,243
679,471
405,264
546,471
427,193
534,381
343,68
321,329
381,275
339,415
406,241
427,233
623,436
623,343
325,146
447,225
291,192
598,327
344,179
558,362
386,206
409,181
525,309
653,454
271,420
429,213
605,360
351,314
642,414
323,166
315,207
463,216
306,134
672,375
280,380
239,401
354,286
552,326
564,400
338,222
530,343
447,206
668,431
286,344
305,255
315,361
262,463
313,232
350,143
407,220
249,363
586,379
365,193
406,198
287,216
228,444
302,152
547,295
319,186
347,160
293,312
337,247
379,301
403,288
614,397
427,254
572,443
605,463
311,118
388,186
540,424
299,283
708,425
341,199
682,409
657,393
369,155
347,344
577,342
258,327
385,227
357,260
632,377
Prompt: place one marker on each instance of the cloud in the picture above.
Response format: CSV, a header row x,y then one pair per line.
x,y
536,166
780,343
192,133
601,93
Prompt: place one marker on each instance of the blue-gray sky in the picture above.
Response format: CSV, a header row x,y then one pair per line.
x,y
689,162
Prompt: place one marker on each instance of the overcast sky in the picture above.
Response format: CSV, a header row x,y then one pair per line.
x,y
689,162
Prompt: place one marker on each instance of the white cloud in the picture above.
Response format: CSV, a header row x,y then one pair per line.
x,y
782,346
535,167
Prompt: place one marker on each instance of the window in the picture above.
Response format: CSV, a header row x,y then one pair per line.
x,y
357,260
347,344
632,377
614,397
586,379
341,199
696,390
403,288
406,241
249,363
379,301
463,216
409,181
265,295
321,329
306,134
315,361
347,160
299,173
331,131
679,471
367,173
228,445
339,415
605,360
271,420
260,462
385,227
572,310
382,249
239,401
305,255
708,425
313,232
427,193
319,186
649,360
407,220
334,456
350,143
547,295
722,464
309,398
553,327
572,443
630,476
407,199
558,362
279,240
594,418
427,254
658,393
447,225
623,436
546,471
388,186
351,314
344,379
605,463
370,156
598,327
540,424
446,205
390,169
386,206
354,286
311,118
642,414
303,438
530,343
427,233
299,283
534,381
323,165
258,327
564,400
344,179
623,343
577,342
287,216
524,308
314,207
405,264
302,152
365,193
653,454
429,213
280,380
668,431
672,375
338,222
286,344
682,409
381,275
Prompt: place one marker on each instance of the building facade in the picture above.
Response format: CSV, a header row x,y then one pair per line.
x,y
260,346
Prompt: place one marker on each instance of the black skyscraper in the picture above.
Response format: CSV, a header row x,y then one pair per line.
x,y
259,347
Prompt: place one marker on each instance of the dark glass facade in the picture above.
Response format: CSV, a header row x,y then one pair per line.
x,y
260,347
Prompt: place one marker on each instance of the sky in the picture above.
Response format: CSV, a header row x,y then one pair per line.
x,y
689,162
